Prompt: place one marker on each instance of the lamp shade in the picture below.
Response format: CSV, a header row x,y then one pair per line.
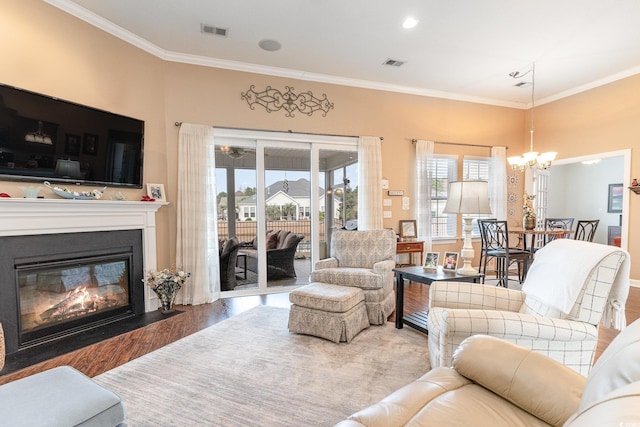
x,y
468,197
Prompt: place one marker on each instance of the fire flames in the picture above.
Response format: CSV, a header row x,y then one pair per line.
x,y
76,303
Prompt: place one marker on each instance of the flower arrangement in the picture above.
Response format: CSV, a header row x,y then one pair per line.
x,y
527,207
166,284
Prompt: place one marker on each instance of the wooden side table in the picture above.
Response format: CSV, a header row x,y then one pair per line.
x,y
410,247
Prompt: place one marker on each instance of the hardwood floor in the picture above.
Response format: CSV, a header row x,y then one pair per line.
x,y
101,357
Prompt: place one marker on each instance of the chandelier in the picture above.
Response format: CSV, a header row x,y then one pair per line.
x,y
38,136
531,159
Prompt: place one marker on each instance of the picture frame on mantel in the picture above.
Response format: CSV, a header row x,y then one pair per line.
x,y
156,191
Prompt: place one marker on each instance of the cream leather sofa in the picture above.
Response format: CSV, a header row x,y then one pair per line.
x,y
497,383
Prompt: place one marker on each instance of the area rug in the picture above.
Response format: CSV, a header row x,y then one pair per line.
x,y
250,371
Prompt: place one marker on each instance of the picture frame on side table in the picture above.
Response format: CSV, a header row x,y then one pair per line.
x,y
450,261
431,261
408,229
156,191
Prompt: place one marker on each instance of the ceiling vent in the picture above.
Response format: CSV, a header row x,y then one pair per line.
x,y
216,31
393,62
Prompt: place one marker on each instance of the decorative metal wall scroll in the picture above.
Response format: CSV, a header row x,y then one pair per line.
x,y
274,100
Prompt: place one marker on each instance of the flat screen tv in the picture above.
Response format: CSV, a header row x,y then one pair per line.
x,y
46,138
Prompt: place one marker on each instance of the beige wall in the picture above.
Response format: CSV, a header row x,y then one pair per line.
x,y
47,51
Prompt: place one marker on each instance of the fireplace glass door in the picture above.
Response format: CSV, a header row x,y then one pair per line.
x,y
58,295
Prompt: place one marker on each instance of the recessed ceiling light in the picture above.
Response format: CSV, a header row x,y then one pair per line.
x,y
409,23
269,45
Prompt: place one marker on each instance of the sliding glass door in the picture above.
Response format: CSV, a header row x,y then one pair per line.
x,y
281,195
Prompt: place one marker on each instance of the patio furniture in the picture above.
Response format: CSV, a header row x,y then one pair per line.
x,y
228,256
281,251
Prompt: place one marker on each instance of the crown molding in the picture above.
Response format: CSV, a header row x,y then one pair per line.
x,y
143,44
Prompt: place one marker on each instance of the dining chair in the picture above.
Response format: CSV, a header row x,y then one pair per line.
x,y
586,229
551,223
494,235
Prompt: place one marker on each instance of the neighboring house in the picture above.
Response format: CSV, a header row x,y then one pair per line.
x,y
283,194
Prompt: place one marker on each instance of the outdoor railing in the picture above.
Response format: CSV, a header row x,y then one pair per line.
x,y
247,230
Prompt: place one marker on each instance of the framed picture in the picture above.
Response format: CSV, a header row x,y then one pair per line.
x,y
450,262
408,229
431,261
90,145
156,191
72,145
615,198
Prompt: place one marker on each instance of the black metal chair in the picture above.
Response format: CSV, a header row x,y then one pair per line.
x,y
586,229
555,223
494,235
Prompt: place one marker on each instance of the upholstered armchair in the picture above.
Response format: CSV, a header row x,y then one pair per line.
x,y
570,286
364,259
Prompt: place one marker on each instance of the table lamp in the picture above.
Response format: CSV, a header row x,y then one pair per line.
x,y
468,198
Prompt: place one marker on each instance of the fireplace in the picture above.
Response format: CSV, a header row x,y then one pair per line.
x,y
56,285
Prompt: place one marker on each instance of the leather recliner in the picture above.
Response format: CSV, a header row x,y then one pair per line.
x,y
496,383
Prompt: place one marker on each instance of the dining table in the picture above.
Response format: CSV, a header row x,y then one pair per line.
x,y
534,233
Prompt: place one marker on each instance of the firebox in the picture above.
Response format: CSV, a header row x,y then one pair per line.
x,y
56,285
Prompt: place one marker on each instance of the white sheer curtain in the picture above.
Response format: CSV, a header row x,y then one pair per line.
x,y
369,183
498,182
423,185
197,236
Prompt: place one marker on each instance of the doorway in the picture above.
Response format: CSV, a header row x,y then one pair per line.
x,y
579,188
275,190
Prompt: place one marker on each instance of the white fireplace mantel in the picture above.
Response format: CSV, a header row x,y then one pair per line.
x,y
19,217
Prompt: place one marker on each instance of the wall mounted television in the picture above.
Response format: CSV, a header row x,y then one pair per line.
x,y
46,138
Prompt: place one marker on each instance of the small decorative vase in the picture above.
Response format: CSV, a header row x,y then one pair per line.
x,y
529,222
167,295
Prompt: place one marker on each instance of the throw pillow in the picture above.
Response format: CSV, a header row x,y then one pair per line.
x,y
290,240
272,241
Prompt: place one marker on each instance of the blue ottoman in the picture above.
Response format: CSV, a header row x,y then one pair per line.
x,y
60,396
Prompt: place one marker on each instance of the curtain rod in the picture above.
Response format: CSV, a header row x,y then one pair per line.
x,y
413,141
290,131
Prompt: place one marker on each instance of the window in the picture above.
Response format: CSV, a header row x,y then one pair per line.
x,y
476,168
442,170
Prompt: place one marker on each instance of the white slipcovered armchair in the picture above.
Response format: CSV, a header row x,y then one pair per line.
x,y
570,286
364,259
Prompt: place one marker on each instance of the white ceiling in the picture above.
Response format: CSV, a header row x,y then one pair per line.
x,y
460,49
